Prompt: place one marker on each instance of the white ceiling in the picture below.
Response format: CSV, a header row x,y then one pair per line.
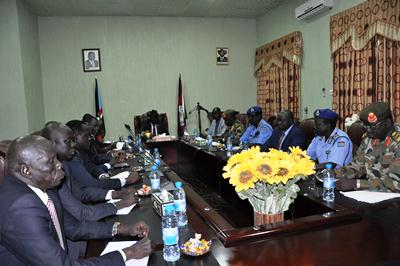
x,y
175,8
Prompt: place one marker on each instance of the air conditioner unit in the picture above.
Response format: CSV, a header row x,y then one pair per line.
x,y
312,7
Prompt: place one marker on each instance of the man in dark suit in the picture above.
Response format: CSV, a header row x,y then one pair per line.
x,y
33,226
98,149
73,194
286,134
153,124
78,168
62,139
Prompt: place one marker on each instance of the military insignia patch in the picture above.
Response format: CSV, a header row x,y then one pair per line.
x,y
341,144
372,118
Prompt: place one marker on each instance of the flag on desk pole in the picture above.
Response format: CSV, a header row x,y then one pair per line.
x,y
99,113
181,110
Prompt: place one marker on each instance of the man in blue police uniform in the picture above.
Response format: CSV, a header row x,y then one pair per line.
x,y
331,145
258,131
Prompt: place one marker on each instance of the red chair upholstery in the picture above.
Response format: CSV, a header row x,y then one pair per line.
x,y
307,125
356,132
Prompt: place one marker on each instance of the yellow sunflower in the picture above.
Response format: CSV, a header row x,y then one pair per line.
x,y
298,154
236,159
284,172
250,153
243,177
278,155
263,168
304,167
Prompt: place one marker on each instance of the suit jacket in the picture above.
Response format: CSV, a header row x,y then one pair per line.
x,y
72,194
27,233
79,172
160,129
295,138
94,169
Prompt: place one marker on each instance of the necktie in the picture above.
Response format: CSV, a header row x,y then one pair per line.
x,y
281,140
54,218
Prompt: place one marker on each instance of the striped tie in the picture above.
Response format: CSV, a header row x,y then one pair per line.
x,y
54,218
281,140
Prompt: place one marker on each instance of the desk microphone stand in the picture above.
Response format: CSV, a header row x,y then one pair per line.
x,y
199,108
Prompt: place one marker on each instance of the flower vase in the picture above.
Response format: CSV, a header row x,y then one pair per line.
x,y
267,218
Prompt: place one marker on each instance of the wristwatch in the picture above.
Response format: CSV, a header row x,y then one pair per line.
x,y
115,228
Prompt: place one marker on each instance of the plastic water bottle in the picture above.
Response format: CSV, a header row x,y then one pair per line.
x,y
195,133
329,183
180,204
229,146
170,235
209,141
154,179
156,154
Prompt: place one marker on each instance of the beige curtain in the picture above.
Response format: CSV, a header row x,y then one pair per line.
x,y
365,45
277,68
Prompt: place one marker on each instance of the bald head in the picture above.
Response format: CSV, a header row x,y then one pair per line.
x,y
32,159
62,139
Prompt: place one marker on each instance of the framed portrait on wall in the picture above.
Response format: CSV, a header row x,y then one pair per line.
x,y
222,56
91,59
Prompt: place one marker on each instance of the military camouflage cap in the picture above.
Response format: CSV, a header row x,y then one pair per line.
x,y
375,112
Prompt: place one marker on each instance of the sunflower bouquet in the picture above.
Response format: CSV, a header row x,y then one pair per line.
x,y
268,179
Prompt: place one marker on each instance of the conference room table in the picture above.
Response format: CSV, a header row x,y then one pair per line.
x,y
346,232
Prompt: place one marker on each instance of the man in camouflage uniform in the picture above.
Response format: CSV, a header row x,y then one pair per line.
x,y
235,128
378,156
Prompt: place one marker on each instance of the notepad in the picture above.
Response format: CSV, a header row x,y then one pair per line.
x,y
119,245
370,196
124,174
123,211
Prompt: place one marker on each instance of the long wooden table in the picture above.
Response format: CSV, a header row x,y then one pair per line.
x,y
355,234
371,239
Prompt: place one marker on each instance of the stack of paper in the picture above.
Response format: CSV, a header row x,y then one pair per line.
x,y
370,196
119,245
124,174
123,211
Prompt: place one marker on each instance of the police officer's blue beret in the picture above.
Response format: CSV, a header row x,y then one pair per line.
x,y
326,114
254,110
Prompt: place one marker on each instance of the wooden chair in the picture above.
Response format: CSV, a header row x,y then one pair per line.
x,y
139,120
307,125
356,132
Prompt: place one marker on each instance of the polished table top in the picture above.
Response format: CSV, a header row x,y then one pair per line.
x,y
372,240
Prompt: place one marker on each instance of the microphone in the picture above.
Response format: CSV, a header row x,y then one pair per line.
x,y
128,127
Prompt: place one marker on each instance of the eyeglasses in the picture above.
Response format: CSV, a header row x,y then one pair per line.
x,y
369,127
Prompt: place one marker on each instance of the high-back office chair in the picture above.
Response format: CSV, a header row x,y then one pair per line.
x,y
307,125
139,120
356,132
